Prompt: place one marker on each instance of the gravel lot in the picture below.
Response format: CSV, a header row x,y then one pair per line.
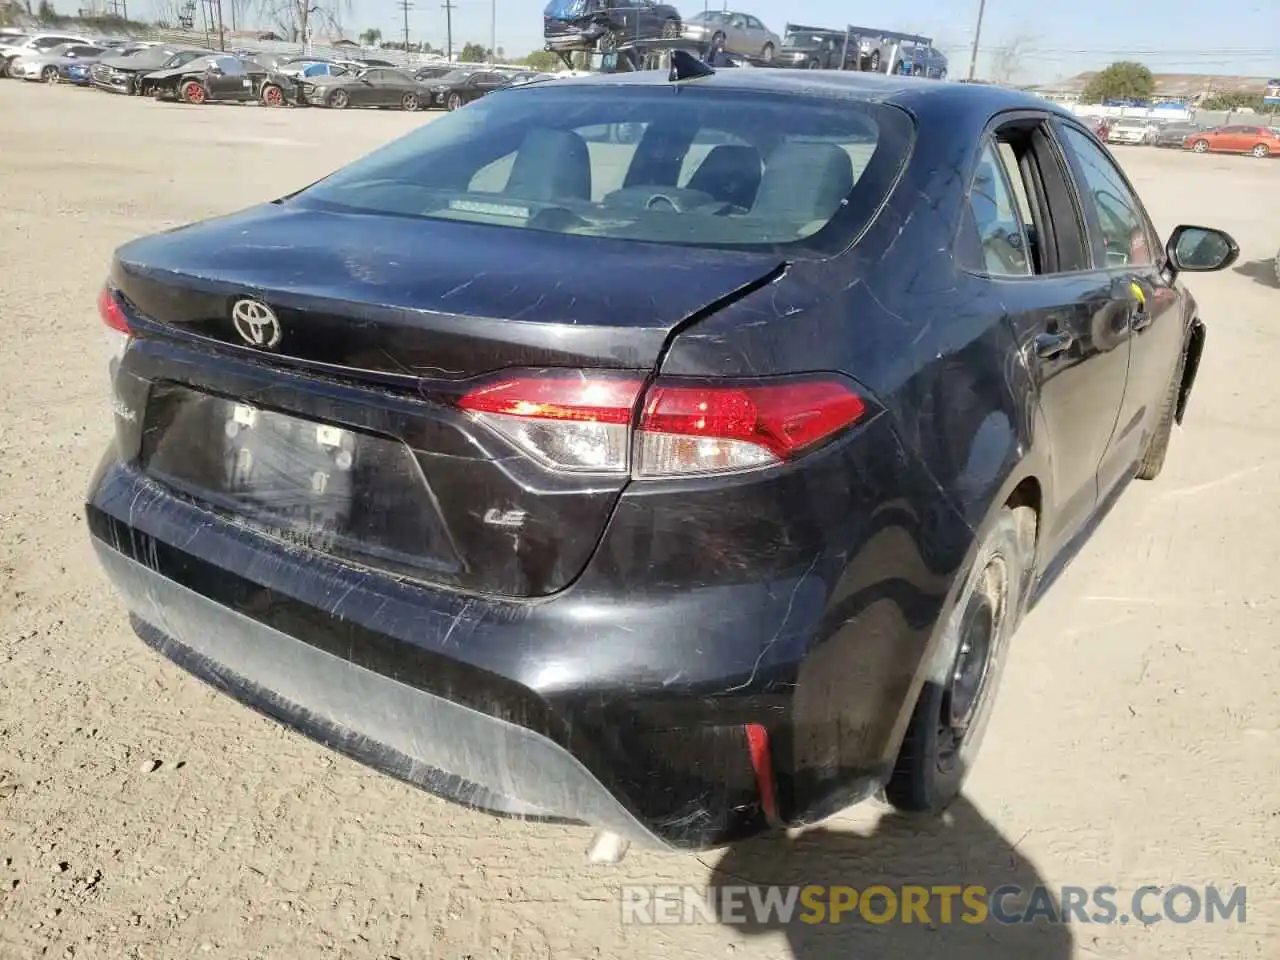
x,y
1137,740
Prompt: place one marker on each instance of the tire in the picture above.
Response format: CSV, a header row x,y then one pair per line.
x,y
1200,146
1275,265
1260,150
938,750
874,62
49,74
1158,448
813,65
942,74
454,102
193,92
339,100
410,102
766,53
671,30
271,95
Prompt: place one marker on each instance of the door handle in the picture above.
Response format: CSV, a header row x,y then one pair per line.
x,y
1139,318
1050,345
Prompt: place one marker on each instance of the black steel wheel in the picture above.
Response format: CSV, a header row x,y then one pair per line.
x,y
951,714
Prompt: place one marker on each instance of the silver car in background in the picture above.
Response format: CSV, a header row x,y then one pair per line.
x,y
45,66
739,33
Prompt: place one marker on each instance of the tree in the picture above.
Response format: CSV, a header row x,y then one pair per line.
x,y
473,53
1124,80
544,61
45,12
1007,60
371,37
294,17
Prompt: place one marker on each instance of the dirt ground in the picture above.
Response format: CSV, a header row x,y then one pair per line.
x,y
1137,739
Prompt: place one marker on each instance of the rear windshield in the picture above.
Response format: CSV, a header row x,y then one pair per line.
x,y
661,164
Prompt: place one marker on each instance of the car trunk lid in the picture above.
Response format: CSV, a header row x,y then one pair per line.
x,y
347,433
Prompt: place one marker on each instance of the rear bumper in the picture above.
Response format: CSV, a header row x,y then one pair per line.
x,y
796,600
425,739
624,712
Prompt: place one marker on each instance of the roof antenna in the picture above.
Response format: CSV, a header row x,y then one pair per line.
x,y
685,66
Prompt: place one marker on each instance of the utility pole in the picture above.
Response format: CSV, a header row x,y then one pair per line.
x,y
493,31
405,6
448,6
222,30
977,35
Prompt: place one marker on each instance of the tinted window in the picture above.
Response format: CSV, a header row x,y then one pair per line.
x,y
994,215
774,170
1126,235
564,9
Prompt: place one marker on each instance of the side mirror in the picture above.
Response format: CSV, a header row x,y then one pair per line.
x,y
1200,249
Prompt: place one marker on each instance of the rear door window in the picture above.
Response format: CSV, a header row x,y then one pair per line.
x,y
1123,231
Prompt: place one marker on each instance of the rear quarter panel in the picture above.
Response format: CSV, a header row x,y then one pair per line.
x,y
930,345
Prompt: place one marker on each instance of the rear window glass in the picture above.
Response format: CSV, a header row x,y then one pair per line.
x,y
565,9
660,164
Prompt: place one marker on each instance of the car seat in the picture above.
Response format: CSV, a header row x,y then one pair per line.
x,y
551,165
730,173
804,182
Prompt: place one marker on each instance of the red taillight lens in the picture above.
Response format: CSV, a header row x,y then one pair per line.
x,y
687,429
581,421
111,312
570,420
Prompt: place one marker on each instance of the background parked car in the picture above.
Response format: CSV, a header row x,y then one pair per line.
x,y
1174,134
221,77
919,60
120,74
737,33
433,72
578,24
813,48
460,87
34,45
45,67
1237,138
369,87
1130,130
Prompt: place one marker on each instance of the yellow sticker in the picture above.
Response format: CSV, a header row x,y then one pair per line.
x,y
1138,293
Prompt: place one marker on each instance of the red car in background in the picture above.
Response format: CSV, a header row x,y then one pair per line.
x,y
1237,138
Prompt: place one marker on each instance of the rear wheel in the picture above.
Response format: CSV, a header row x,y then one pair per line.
x,y
193,92
767,53
409,102
1200,146
875,61
272,95
339,99
1260,150
49,74
1158,448
951,714
455,101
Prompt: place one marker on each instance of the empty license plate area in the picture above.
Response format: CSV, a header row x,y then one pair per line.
x,y
312,484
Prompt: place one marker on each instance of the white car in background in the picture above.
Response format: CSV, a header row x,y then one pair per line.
x,y
34,46
1129,130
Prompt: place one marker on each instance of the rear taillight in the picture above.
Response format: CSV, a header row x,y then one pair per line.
x,y
710,428
112,314
583,421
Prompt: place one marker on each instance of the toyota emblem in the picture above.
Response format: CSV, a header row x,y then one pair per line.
x,y
256,323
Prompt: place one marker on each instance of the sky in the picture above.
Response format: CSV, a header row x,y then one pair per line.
x,y
1169,36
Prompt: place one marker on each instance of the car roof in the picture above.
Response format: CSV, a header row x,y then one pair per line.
x,y
843,84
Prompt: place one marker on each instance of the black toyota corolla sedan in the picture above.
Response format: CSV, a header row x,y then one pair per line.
x,y
686,485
